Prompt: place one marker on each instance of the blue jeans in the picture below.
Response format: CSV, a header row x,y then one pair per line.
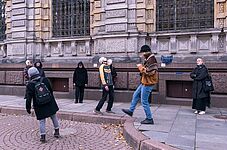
x,y
42,124
142,92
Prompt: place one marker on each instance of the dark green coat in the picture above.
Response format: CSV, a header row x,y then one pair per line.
x,y
43,111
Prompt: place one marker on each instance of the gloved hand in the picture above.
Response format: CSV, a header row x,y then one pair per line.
x,y
29,111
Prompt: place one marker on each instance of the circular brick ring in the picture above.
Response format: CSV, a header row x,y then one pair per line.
x,y
22,132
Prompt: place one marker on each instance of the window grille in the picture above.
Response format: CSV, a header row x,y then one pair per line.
x,y
2,20
184,14
71,18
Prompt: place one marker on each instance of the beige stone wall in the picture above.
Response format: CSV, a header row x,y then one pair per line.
x,y
146,15
220,13
43,19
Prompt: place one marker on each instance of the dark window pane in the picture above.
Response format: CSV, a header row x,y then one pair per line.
x,y
2,20
71,18
184,14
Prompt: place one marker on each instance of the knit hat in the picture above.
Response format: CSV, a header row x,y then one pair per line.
x,y
145,48
109,61
102,59
32,71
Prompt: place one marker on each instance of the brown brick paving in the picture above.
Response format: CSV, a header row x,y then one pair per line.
x,y
22,133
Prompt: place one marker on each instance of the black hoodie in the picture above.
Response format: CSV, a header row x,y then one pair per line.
x,y
80,77
40,68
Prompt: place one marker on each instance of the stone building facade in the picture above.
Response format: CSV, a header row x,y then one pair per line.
x,y
46,30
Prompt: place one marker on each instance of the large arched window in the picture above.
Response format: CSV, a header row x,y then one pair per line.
x,y
71,18
2,20
184,14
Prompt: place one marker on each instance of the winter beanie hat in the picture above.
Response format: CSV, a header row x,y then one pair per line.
x,y
145,48
32,71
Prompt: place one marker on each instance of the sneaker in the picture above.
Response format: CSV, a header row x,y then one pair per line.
x,y
201,112
196,112
147,121
128,112
110,111
98,112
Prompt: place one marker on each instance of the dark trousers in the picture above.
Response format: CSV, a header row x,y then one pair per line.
x,y
104,97
79,94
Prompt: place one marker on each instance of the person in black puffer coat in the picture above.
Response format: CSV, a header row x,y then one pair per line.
x,y
80,80
45,110
201,98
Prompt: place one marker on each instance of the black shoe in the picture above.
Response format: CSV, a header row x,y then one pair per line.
x,y
147,121
43,138
56,133
76,102
128,112
80,102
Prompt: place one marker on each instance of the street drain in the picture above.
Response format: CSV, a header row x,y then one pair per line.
x,y
220,116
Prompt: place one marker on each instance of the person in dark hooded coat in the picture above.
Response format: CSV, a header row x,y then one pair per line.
x,y
80,79
201,98
39,66
45,110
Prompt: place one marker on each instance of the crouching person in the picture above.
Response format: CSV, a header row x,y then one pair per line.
x,y
39,90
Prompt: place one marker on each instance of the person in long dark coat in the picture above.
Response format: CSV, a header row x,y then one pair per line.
x,y
201,99
41,111
39,66
80,80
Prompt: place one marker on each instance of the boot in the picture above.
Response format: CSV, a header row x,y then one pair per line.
x,y
56,133
43,138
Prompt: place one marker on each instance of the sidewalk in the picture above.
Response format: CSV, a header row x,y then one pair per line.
x,y
174,125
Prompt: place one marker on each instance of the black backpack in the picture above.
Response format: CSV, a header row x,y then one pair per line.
x,y
42,93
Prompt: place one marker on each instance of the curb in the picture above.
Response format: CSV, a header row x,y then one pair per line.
x,y
133,137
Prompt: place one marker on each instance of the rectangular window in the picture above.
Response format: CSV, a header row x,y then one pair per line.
x,y
184,14
2,20
71,18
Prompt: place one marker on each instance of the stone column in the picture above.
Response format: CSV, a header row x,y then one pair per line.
x,y
154,44
60,49
73,48
173,45
193,44
87,48
214,43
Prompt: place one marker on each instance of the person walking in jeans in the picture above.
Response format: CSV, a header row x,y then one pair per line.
x,y
107,87
149,77
45,110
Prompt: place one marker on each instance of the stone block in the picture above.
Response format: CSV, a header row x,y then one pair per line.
x,y
116,28
20,11
116,13
219,81
18,23
116,45
14,77
121,81
18,35
133,80
2,77
93,79
109,2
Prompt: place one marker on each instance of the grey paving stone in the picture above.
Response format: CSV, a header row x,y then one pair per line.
x,y
155,135
210,146
181,140
211,138
159,125
216,131
211,124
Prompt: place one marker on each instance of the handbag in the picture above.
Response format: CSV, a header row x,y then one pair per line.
x,y
208,85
